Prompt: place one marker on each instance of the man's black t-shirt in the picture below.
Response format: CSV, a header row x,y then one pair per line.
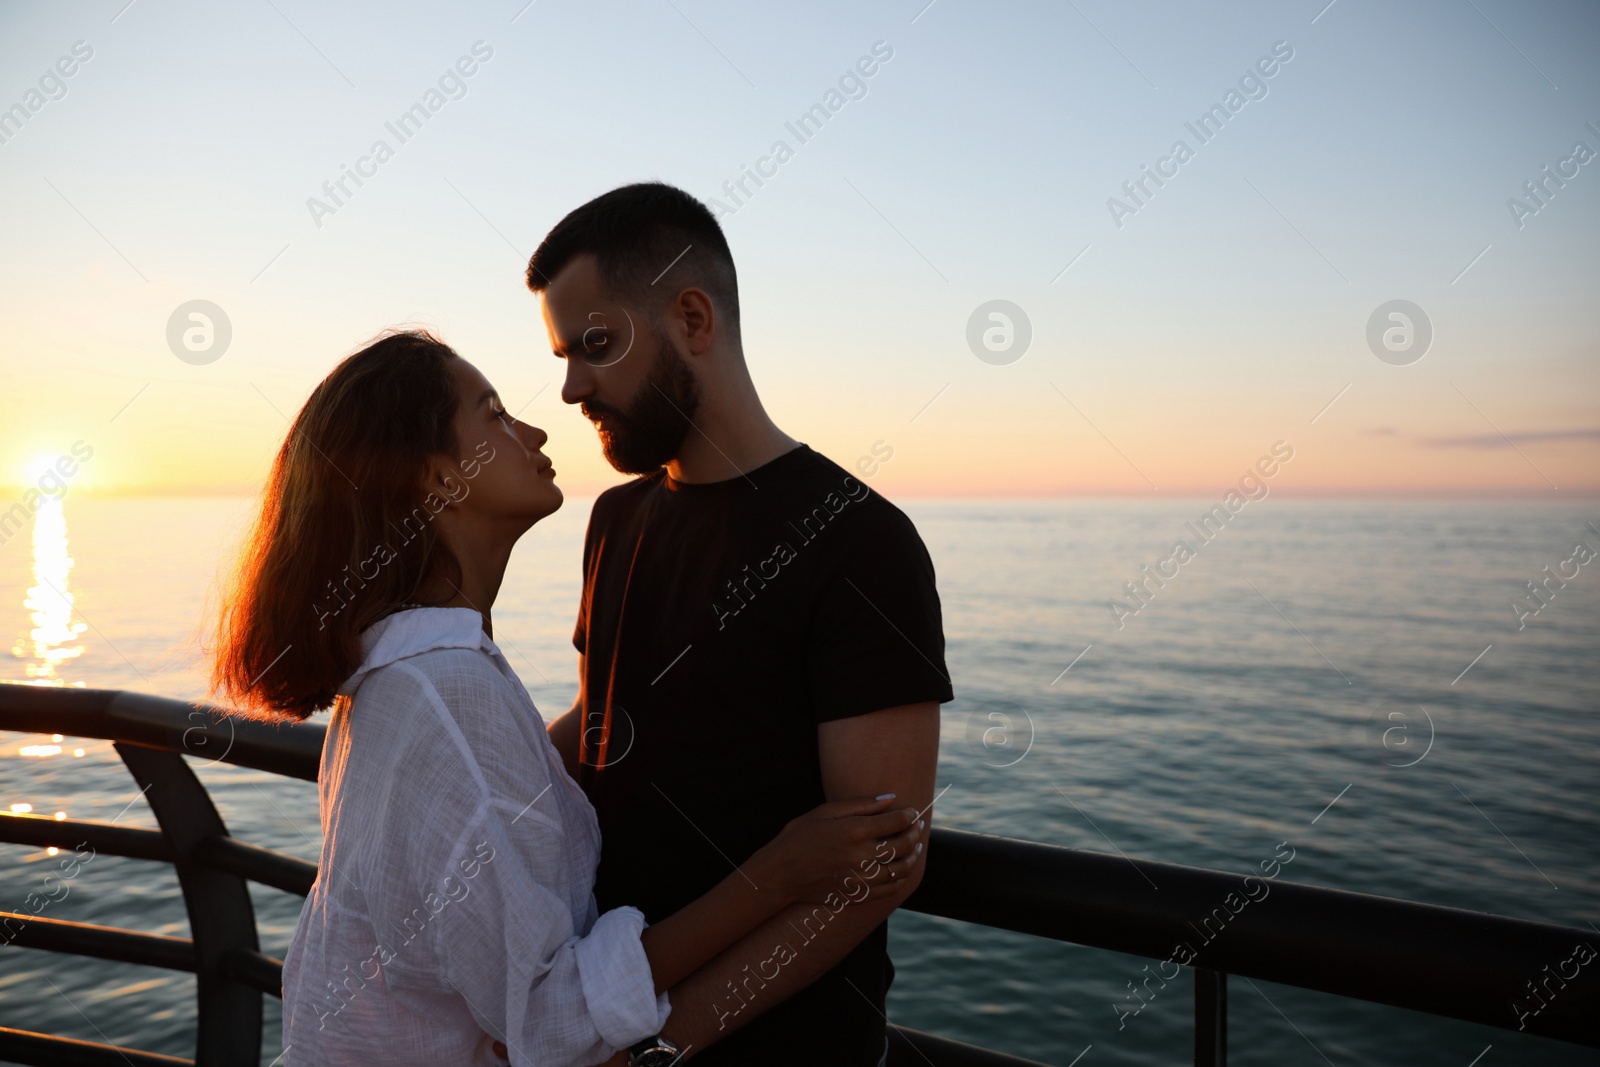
x,y
720,624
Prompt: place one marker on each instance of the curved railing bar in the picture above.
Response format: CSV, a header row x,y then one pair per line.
x,y
202,731
221,917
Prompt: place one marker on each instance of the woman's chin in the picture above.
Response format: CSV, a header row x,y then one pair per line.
x,y
552,500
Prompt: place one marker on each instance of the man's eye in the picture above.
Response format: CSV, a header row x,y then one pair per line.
x,y
595,340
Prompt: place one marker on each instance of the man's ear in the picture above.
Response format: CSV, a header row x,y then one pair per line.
x,y
699,317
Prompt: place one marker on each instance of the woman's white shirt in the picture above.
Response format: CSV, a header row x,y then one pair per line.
x,y
455,903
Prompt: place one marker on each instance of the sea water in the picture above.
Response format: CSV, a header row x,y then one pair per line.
x,y
1349,681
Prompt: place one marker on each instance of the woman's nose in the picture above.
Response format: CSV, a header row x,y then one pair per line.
x,y
534,436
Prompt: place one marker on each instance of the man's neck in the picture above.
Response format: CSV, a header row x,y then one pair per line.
x,y
729,439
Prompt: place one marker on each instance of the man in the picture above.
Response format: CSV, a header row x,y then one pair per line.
x,y
759,632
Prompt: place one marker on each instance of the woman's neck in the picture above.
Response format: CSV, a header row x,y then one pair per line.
x,y
481,566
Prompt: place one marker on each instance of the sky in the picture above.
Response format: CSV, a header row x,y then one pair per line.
x,y
1175,332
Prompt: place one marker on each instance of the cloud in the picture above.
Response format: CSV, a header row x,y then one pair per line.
x,y
1494,440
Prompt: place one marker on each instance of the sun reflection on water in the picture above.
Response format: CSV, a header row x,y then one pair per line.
x,y
54,637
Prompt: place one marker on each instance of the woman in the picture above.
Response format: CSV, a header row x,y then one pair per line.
x,y
454,906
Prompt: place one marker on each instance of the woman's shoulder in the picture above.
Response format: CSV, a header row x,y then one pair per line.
x,y
431,672
459,685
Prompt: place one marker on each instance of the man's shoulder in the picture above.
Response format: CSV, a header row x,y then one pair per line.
x,y
623,499
638,485
819,485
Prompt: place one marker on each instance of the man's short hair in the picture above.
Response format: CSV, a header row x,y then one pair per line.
x,y
649,240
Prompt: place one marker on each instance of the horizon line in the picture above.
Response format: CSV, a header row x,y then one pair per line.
x,y
13,494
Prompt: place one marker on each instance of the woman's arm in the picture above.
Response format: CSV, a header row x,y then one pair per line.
x,y
856,848
814,856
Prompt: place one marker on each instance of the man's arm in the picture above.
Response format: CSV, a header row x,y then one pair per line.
x,y
895,750
567,731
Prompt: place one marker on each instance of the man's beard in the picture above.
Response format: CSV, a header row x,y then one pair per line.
x,y
650,432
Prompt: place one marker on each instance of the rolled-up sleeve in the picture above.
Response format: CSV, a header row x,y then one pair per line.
x,y
552,994
611,963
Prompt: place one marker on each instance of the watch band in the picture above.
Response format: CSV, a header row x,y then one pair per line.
x,y
654,1051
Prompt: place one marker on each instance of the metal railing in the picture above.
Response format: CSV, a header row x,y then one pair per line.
x,y
1443,961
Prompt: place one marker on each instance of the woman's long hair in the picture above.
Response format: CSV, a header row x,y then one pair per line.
x,y
345,532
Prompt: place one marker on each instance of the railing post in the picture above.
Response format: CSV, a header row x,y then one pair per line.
x,y
221,918
1210,1018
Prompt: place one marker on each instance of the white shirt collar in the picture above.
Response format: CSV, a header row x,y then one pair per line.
x,y
414,631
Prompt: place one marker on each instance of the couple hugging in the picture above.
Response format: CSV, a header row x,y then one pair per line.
x,y
698,860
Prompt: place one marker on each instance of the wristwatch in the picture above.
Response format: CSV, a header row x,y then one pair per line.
x,y
653,1052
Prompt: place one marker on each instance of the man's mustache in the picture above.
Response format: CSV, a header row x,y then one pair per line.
x,y
595,411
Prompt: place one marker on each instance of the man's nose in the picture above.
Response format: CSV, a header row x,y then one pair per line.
x,y
578,385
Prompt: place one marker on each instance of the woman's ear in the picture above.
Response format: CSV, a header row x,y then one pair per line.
x,y
441,480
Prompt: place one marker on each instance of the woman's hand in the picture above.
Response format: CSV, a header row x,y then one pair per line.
x,y
844,849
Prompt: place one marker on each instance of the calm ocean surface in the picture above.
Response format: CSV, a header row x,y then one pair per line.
x,y
1220,721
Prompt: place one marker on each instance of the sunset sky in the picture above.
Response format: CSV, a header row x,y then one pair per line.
x,y
1174,338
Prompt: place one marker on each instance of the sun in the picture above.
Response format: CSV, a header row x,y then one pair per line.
x,y
40,465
